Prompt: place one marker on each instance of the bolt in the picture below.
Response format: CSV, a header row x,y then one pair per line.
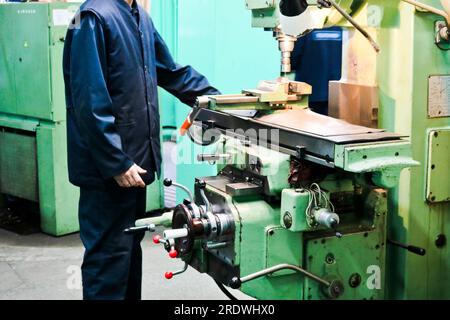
x,y
441,241
355,280
330,259
287,220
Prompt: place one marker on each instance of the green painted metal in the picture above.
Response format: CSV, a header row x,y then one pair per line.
x,y
18,175
359,253
32,101
385,160
58,199
408,57
262,238
294,203
438,189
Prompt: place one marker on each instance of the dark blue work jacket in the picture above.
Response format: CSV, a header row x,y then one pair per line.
x,y
114,59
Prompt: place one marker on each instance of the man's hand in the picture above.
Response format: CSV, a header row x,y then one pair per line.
x,y
131,178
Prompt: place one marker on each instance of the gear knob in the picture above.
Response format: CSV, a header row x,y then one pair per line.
x,y
167,182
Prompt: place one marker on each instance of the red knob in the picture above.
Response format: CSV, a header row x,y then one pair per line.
x,y
173,253
168,275
156,239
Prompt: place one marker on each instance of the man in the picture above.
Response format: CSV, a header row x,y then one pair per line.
x,y
317,58
114,59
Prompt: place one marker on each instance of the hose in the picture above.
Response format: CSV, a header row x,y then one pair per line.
x,y
225,291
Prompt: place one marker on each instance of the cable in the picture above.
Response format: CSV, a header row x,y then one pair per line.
x,y
225,291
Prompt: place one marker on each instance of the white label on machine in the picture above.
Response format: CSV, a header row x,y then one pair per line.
x,y
62,17
439,96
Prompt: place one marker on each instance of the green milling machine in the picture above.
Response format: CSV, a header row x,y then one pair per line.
x,y
33,157
312,207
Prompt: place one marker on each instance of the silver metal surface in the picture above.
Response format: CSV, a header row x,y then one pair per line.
x,y
308,121
243,189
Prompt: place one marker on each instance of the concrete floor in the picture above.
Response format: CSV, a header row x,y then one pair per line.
x,y
41,267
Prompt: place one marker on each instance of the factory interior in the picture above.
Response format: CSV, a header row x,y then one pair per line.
x,y
252,149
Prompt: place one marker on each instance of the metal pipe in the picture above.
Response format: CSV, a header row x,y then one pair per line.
x,y
429,9
284,266
182,270
350,19
185,189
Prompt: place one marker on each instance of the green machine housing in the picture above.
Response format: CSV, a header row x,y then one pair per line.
x,y
260,237
33,157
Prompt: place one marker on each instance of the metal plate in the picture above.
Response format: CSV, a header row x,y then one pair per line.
x,y
438,182
438,96
313,123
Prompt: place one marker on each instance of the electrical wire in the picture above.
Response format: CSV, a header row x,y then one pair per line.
x,y
225,291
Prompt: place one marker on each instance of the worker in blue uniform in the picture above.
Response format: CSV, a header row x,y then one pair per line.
x,y
317,59
114,59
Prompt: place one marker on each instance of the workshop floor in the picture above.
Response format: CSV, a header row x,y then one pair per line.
x,y
41,267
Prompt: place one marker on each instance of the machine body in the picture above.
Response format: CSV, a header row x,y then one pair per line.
x,y
311,207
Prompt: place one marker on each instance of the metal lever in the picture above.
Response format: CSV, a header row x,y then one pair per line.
x,y
169,183
140,229
213,157
349,18
202,186
334,288
413,249
169,275
201,103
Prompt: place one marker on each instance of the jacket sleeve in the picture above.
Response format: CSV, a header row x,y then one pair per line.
x,y
91,100
184,82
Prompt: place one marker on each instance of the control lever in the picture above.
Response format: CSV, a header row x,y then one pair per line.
x,y
169,245
349,18
140,229
213,157
202,186
413,249
169,274
169,183
201,103
334,288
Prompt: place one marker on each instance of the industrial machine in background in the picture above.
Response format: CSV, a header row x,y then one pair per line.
x,y
312,207
33,157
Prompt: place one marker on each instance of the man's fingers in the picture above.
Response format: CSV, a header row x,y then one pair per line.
x,y
138,180
129,181
131,178
140,170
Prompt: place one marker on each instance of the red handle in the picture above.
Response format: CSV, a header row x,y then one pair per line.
x,y
173,253
185,126
156,239
168,275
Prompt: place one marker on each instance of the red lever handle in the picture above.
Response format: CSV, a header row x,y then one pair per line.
x,y
168,275
185,126
173,253
156,239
